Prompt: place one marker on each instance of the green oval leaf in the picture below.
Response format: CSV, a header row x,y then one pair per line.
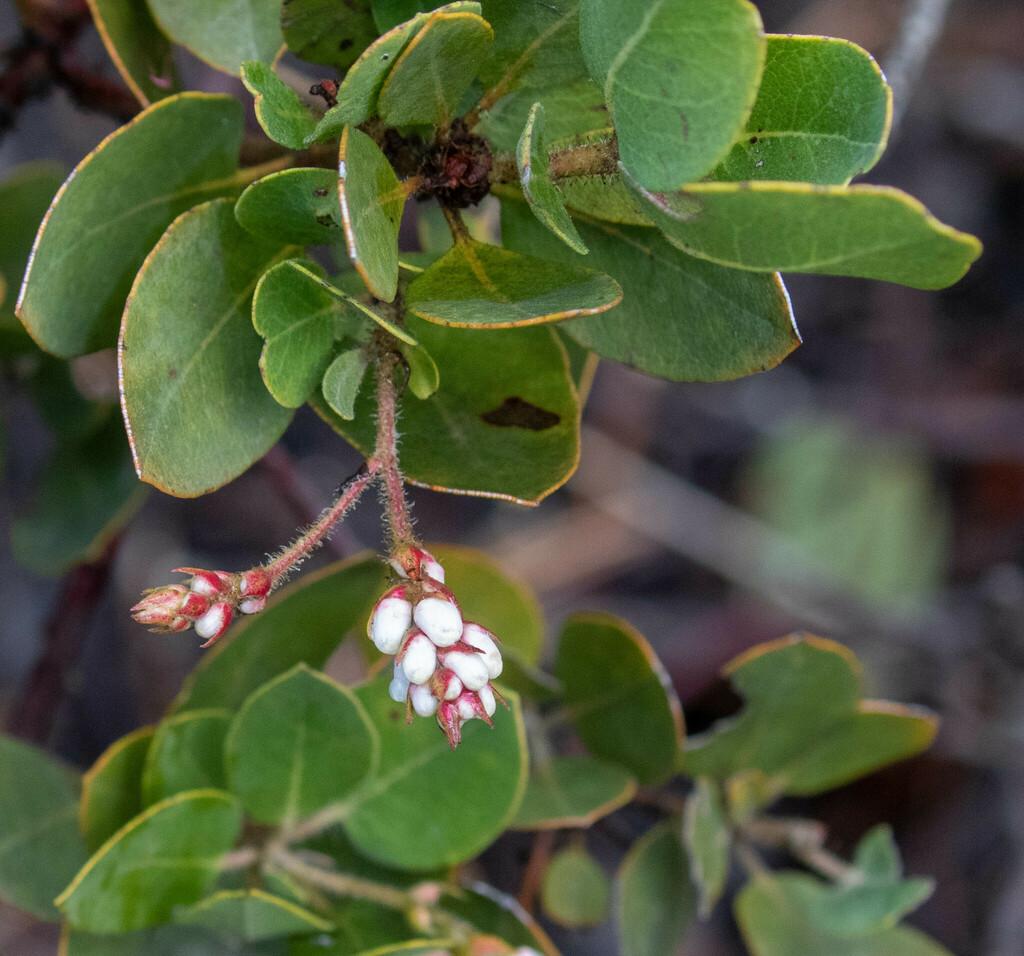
x,y
102,223
298,206
223,33
372,200
252,915
303,622
655,900
40,846
328,32
187,753
680,318
503,422
140,51
169,940
300,742
279,110
476,285
575,891
874,232
619,696
166,857
112,788
708,838
342,381
822,115
680,78
197,411
403,816
435,69
572,792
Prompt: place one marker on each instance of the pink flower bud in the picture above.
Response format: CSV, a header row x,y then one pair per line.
x,y
389,621
445,684
483,640
209,583
470,668
214,623
439,619
423,701
169,609
416,562
418,658
255,583
450,722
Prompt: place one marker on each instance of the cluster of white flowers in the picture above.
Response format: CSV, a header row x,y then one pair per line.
x,y
443,665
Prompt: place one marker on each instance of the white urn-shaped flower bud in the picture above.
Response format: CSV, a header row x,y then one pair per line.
x,y
423,700
486,696
469,667
439,619
483,640
418,658
214,623
389,621
398,689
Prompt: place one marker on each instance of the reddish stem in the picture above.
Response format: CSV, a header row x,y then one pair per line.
x,y
386,455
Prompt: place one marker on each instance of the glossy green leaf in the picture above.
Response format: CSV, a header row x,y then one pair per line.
x,y
435,69
503,423
424,375
303,622
476,285
360,927
708,838
85,496
283,116
223,33
874,232
572,792
112,788
655,899
680,318
575,891
297,206
297,318
403,817
252,915
166,857
545,201
680,78
140,51
342,382
300,742
822,115
328,32
24,197
388,14
181,150
372,200
40,846
803,710
497,914
619,696
169,940
197,410
774,921
187,753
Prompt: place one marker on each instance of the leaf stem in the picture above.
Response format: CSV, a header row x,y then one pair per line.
x,y
339,884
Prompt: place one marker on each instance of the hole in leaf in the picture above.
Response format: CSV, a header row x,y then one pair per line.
x,y
516,412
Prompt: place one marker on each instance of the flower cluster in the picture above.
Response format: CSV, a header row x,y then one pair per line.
x,y
207,601
443,665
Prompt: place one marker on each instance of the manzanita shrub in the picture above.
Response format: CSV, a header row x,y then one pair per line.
x,y
658,164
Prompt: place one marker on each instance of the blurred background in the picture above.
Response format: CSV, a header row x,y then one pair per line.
x,y
871,490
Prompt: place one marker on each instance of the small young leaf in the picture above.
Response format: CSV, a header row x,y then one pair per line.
x,y
822,115
223,33
535,177
874,232
477,285
181,150
708,839
187,753
40,846
198,413
424,375
575,891
619,696
283,116
166,857
680,78
435,69
297,319
299,743
655,901
342,382
372,200
404,815
297,206
140,51
572,792
680,318
112,788
252,915
304,622
328,32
